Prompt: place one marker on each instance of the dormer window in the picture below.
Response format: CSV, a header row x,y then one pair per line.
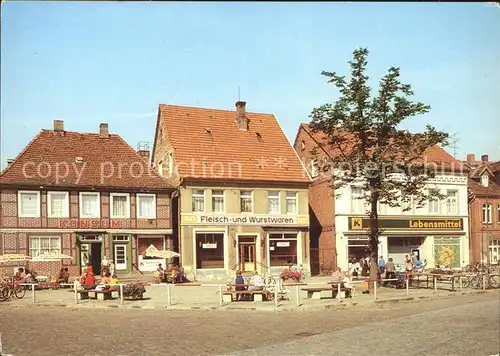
x,y
303,145
485,180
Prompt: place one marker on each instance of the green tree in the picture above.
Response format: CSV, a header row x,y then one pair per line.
x,y
369,148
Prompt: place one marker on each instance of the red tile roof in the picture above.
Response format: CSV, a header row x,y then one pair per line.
x,y
433,154
493,189
50,159
207,143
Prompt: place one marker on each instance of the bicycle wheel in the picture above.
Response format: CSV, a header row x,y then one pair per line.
x,y
494,281
19,292
465,281
476,282
4,293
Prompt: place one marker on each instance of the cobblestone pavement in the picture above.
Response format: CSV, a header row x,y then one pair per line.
x,y
464,325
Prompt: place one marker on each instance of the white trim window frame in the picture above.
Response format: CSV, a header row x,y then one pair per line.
x,y
433,206
34,211
272,197
292,196
114,213
97,205
197,199
452,202
63,209
44,244
217,195
246,196
141,214
357,202
487,210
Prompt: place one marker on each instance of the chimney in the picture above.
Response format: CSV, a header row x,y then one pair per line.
x,y
103,130
241,120
484,158
471,157
58,125
144,154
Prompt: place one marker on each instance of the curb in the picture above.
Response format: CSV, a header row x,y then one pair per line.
x,y
228,307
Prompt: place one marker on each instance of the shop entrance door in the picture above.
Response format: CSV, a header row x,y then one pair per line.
x,y
120,257
247,249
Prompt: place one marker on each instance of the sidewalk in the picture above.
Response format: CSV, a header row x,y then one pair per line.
x,y
207,297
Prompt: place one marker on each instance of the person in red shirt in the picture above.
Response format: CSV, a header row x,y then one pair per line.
x,y
89,281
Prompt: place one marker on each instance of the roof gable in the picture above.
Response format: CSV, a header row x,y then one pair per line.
x,y
208,144
72,159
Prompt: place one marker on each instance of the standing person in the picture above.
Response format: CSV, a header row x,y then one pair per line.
x,y
381,265
112,268
390,270
104,265
366,268
239,281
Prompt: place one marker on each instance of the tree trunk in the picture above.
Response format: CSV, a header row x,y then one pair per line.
x,y
374,233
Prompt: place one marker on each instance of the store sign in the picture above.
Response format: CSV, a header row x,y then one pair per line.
x,y
209,245
150,264
244,220
360,223
89,224
283,244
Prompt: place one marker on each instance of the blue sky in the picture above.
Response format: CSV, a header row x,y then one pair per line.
x,y
87,63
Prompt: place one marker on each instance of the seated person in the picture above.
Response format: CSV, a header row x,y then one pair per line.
x,y
89,281
239,287
61,277
348,287
104,284
256,282
19,276
29,277
160,271
337,279
182,276
114,280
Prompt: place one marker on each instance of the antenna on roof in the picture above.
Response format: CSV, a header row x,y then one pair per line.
x,y
143,146
238,93
454,143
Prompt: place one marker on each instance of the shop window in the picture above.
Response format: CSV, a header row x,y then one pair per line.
x,y
209,250
291,202
487,218
198,200
218,201
44,244
29,204
274,202
282,249
90,205
447,251
494,251
246,201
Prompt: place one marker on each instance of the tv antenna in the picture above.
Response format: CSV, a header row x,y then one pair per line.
x,y
454,143
238,93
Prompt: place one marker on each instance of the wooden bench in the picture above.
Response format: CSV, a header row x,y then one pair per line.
x,y
97,294
257,295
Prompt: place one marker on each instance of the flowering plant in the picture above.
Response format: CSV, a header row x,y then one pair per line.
x,y
291,274
134,290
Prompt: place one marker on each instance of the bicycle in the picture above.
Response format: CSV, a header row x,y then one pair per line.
x,y
12,289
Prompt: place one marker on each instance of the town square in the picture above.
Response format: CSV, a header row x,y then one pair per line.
x,y
249,178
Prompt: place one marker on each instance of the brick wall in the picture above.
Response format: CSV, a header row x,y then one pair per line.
x,y
321,208
481,233
10,219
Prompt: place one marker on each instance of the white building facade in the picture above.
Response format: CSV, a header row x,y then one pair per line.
x,y
437,232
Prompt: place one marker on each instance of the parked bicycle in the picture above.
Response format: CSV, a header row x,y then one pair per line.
x,y
9,290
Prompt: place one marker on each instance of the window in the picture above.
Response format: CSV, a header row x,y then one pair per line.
x,y
198,200
494,251
433,206
209,250
487,214
120,206
146,206
484,180
246,201
170,163
29,204
291,202
90,205
357,202
58,204
160,168
273,202
314,168
44,244
218,201
282,249
452,202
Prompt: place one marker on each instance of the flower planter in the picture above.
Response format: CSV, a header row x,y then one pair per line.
x,y
133,291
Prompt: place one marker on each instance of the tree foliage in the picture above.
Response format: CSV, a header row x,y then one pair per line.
x,y
370,149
